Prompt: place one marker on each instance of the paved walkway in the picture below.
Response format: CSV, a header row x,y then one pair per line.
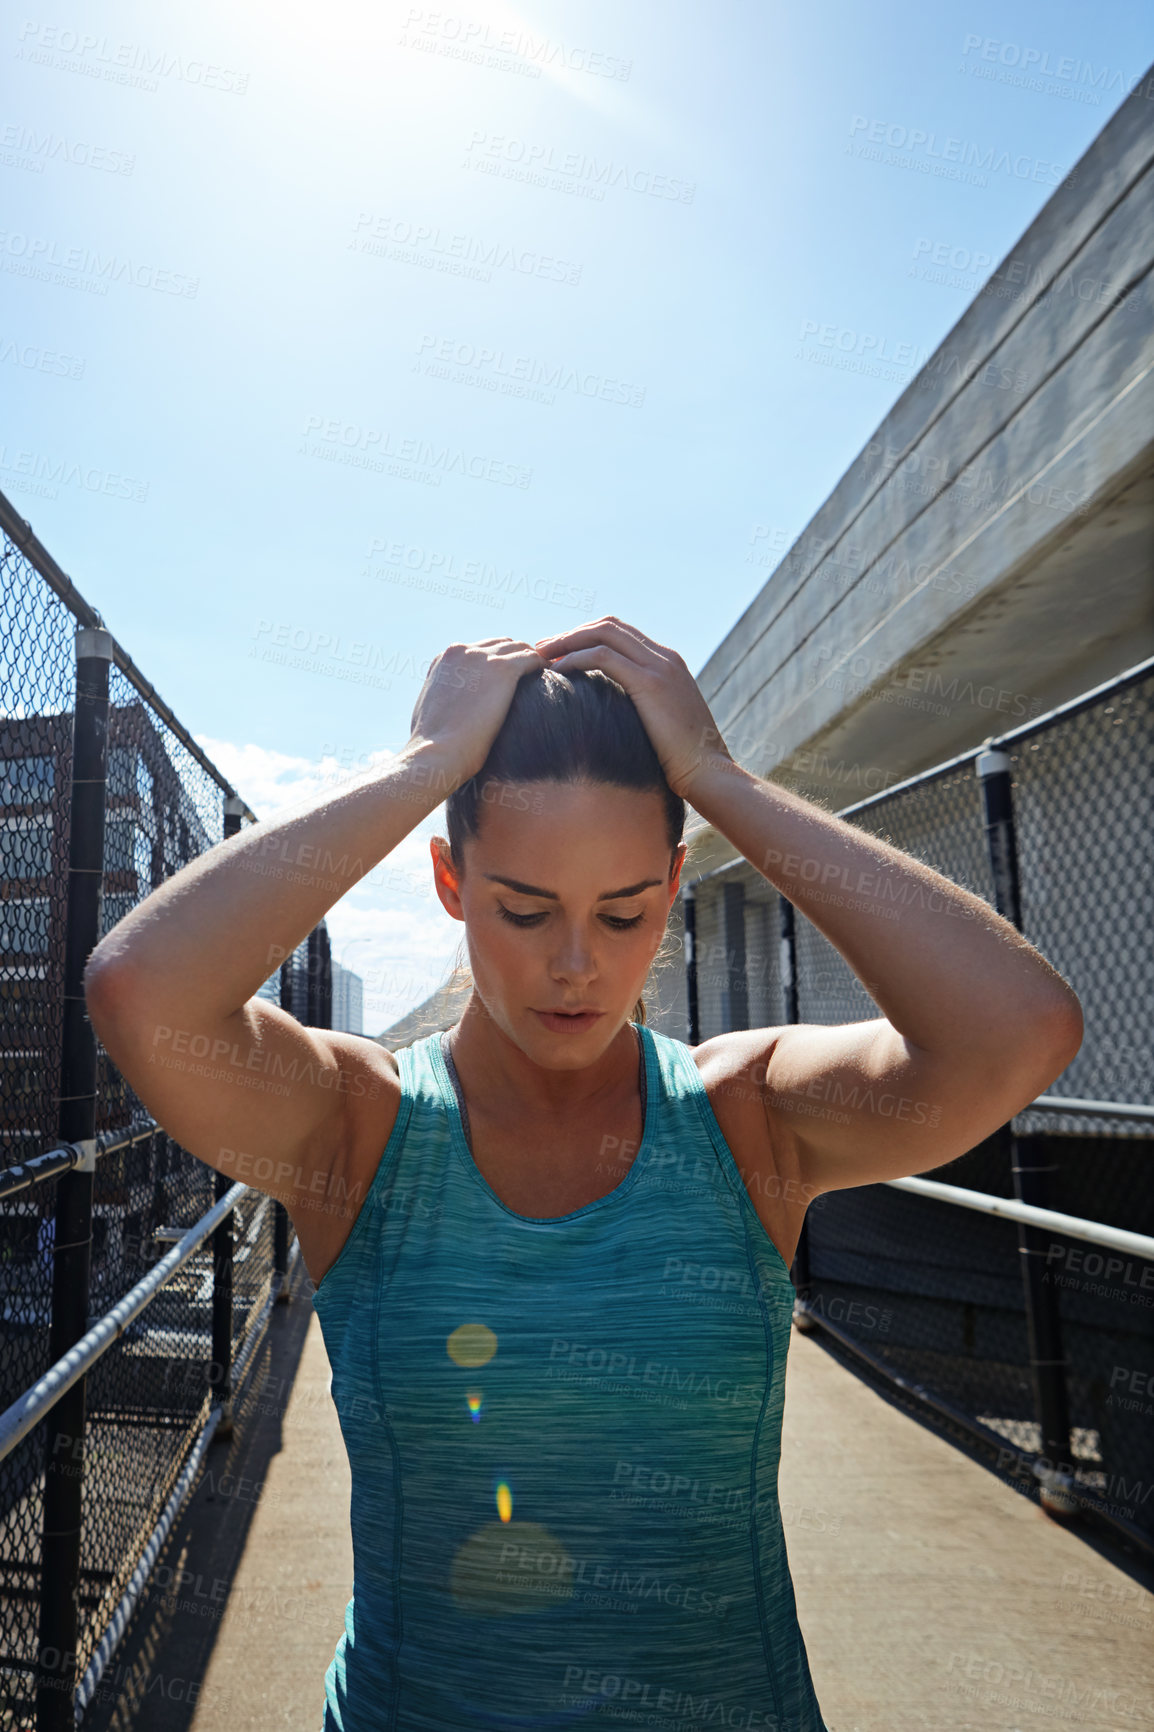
x,y
933,1598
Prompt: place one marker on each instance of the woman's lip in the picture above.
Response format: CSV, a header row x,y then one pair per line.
x,y
573,1016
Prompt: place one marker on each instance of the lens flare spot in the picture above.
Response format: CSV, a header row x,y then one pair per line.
x,y
518,1567
472,1344
475,1405
504,1501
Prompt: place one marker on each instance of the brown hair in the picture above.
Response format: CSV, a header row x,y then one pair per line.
x,y
574,727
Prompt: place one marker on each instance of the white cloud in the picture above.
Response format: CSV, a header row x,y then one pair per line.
x,y
390,928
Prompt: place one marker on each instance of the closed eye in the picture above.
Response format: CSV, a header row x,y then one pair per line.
x,y
614,921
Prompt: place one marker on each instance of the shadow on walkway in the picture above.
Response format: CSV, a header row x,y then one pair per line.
x,y
246,1604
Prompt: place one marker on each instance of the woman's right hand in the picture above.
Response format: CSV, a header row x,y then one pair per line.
x,y
466,697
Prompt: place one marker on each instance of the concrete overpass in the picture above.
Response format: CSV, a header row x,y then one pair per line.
x,y
990,551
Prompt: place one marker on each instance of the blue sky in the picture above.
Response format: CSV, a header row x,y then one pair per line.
x,y
331,338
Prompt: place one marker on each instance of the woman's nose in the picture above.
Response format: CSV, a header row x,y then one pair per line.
x,y
573,958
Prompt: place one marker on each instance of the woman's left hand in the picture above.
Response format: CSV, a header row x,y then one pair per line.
x,y
675,715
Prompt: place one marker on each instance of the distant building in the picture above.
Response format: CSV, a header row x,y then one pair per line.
x,y
348,1000
270,989
153,826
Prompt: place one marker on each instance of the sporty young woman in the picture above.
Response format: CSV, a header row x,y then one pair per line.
x,y
551,1247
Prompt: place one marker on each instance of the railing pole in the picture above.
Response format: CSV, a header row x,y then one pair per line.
x,y
1031,1177
325,1004
59,1626
223,1242
689,912
280,1220
736,976
800,1270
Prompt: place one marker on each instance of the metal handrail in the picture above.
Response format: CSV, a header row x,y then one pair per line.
x,y
1070,1226
108,1641
1088,1108
62,1157
110,1142
29,1409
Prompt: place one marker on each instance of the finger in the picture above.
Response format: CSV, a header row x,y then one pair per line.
x,y
610,661
611,632
608,623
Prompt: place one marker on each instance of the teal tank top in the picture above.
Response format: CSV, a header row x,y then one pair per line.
x,y
564,1437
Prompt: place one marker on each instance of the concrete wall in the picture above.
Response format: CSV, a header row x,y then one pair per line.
x,y
990,552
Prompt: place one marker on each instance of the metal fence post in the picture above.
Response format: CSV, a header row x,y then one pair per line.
x,y
1031,1175
280,1219
788,960
799,1272
736,977
325,997
223,1244
689,913
72,1245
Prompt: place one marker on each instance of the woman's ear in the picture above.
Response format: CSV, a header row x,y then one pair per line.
x,y
446,878
675,875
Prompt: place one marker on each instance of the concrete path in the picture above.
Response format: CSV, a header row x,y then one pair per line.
x,y
933,1598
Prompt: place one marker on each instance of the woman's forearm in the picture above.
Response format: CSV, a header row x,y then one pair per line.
x,y
945,970
210,936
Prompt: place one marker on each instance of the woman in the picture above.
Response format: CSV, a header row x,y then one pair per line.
x,y
564,1453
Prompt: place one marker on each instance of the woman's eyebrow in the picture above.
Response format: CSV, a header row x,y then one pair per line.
x,y
535,889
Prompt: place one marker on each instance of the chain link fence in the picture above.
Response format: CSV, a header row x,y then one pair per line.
x,y
149,1402
922,1295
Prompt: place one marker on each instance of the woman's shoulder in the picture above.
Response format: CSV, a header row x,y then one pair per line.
x,y
370,1077
736,1057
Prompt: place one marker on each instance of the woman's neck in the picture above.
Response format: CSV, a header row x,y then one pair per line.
x,y
504,1083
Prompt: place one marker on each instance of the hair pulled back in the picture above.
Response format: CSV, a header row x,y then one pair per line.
x,y
576,727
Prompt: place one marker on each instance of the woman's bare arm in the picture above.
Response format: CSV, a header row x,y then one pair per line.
x,y
170,989
975,1022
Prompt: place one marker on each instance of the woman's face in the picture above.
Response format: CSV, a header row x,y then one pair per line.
x,y
564,896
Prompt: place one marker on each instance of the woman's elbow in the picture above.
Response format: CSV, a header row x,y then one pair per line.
x,y
1060,1029
112,998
